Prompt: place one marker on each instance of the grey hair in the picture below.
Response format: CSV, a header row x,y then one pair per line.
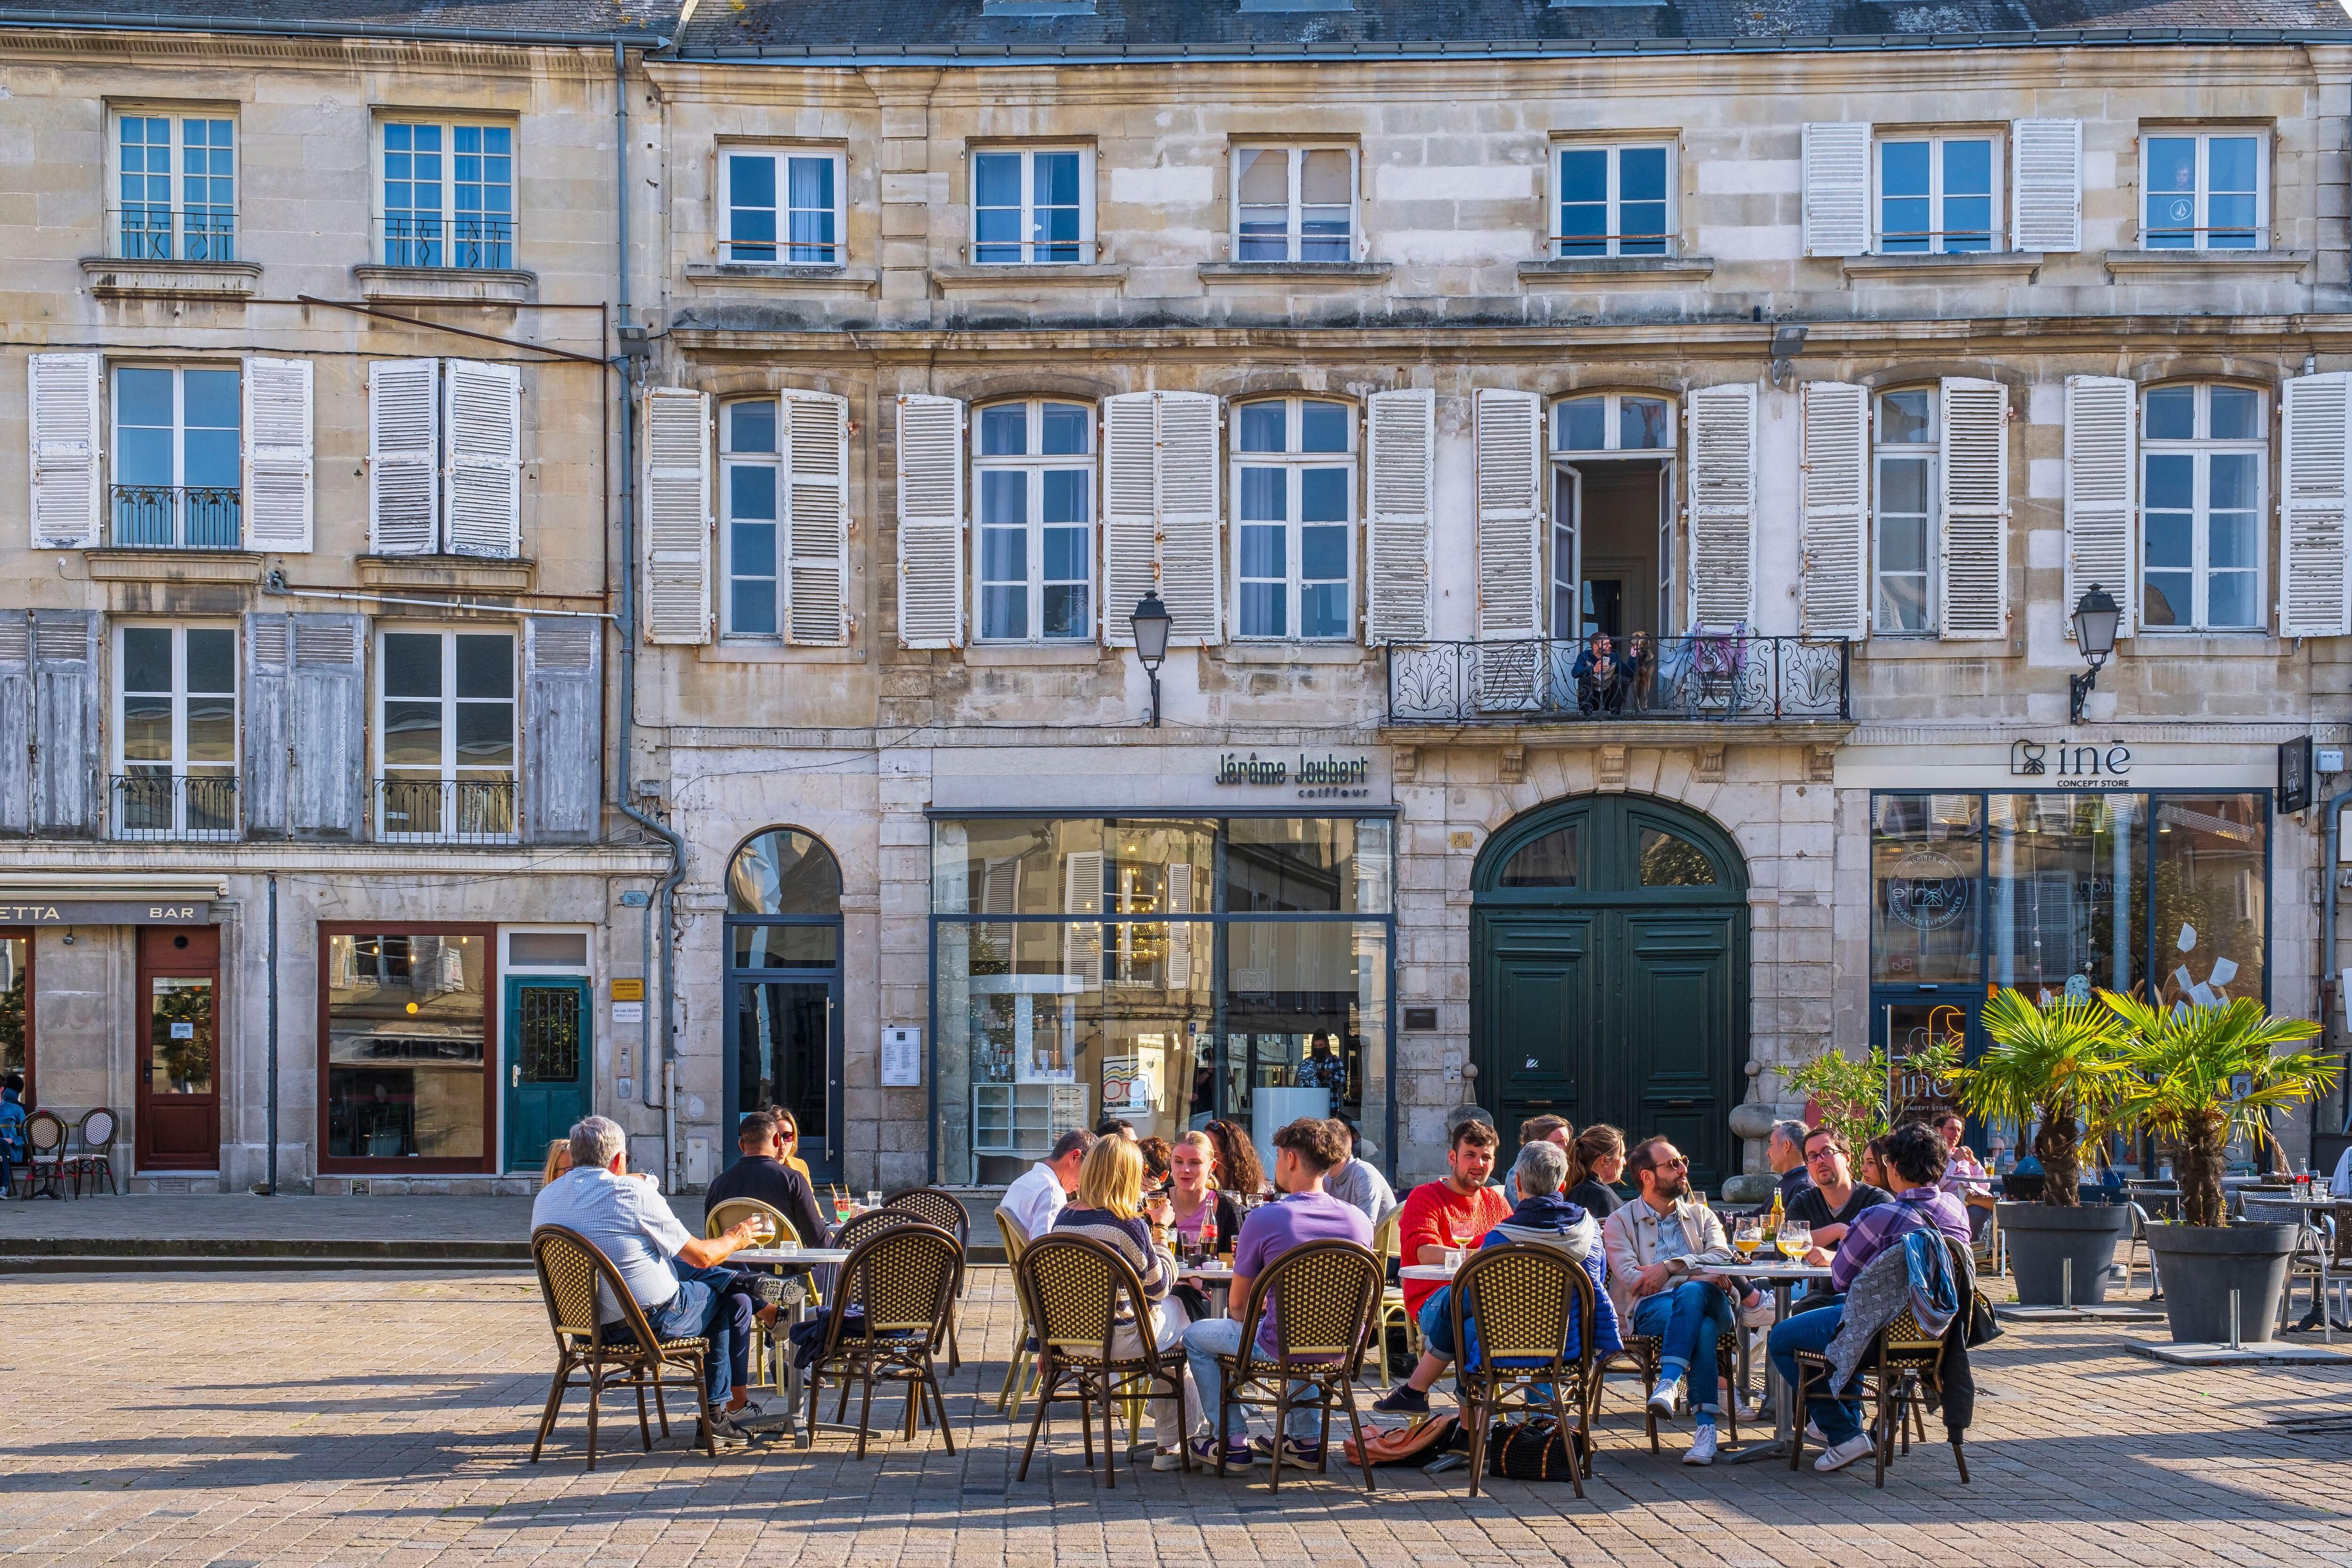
x,y
1541,1169
597,1140
1791,1131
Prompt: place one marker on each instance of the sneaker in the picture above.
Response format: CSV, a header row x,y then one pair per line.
x,y
754,1414
1168,1458
723,1429
1759,1316
1402,1400
1703,1445
1239,1455
1813,1434
1841,1455
1306,1455
1664,1397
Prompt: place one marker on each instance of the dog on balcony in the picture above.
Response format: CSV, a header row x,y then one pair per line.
x,y
1643,658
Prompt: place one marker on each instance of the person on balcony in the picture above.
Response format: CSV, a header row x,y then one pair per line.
x,y
1602,677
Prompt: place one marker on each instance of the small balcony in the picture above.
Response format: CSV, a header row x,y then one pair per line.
x,y
176,517
153,234
155,805
479,243
444,811
1710,678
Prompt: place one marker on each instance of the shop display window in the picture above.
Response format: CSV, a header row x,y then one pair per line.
x,y
405,1027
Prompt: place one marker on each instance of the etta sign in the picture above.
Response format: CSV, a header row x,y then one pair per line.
x,y
2086,766
1327,778
106,912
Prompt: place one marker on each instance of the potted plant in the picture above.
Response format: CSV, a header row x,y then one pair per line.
x,y
2196,1077
2056,1065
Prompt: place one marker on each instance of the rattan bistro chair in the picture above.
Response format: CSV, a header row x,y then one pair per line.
x,y
1329,1295
1019,1381
1071,1288
1386,1248
899,1282
1521,1298
1646,1352
858,1227
95,1159
768,1345
570,1268
1901,1356
945,1210
45,1162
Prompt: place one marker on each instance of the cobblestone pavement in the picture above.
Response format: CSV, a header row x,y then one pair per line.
x,y
338,1418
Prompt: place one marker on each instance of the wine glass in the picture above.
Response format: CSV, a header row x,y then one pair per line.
x,y
1796,1239
1749,1236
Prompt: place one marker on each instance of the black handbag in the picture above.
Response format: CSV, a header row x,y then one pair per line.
x,y
1531,1450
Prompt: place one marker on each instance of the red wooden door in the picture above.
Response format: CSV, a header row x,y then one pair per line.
x,y
178,1120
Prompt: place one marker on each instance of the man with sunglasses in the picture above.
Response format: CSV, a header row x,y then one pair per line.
x,y
761,1174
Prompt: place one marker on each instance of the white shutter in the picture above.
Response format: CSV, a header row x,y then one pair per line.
x,y
2102,492
2313,601
1722,422
278,454
676,516
1131,445
1161,517
403,456
1400,453
482,420
2045,184
1837,187
1082,894
930,522
816,441
1834,596
64,393
1975,508
1509,440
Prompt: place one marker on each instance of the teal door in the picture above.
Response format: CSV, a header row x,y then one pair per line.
x,y
547,1040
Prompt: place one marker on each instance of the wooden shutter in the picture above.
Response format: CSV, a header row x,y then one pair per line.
x,y
1509,441
815,490
931,521
1401,457
1975,560
2313,600
2045,184
403,456
482,421
15,721
563,748
2102,493
66,745
277,405
1082,894
1837,187
269,659
1835,593
1722,424
64,392
1160,518
327,710
677,520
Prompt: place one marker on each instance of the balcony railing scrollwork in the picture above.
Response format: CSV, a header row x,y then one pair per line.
x,y
1723,677
159,805
444,811
177,516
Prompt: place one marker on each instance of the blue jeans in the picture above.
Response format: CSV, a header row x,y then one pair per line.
x,y
1437,1323
1839,1419
1203,1343
1688,1318
704,1306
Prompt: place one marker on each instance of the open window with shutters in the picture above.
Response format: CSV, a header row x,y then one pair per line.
x,y
1610,556
1937,191
173,773
2204,467
1033,472
1934,190
445,458
1294,519
784,519
1936,492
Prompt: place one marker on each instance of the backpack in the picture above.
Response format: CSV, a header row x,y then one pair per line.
x,y
1531,1450
1414,1443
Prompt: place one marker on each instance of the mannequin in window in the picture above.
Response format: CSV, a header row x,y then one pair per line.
x,y
1602,677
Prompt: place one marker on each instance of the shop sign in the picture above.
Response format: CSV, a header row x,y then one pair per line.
x,y
106,912
2086,766
1928,889
1327,778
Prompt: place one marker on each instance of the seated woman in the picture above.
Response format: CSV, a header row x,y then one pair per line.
x,y
1238,1171
1109,1209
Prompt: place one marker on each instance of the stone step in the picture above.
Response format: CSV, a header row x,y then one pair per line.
x,y
259,1263
152,1249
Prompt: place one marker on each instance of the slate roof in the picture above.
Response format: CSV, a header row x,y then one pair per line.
x,y
427,17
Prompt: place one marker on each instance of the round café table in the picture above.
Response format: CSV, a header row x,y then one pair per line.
x,y
789,1382
1783,1278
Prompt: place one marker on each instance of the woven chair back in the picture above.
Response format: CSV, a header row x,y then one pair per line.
x,y
1016,1240
97,1130
2340,1250
903,1276
873,1221
933,1207
1385,1245
570,1268
44,1131
1325,1296
728,1213
1523,1297
1071,1288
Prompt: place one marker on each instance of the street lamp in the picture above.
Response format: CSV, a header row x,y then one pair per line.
x,y
1151,621
2095,620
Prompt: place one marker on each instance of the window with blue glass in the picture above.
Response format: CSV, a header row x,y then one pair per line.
x,y
177,457
1614,201
1294,483
750,468
1935,194
782,206
448,194
2206,192
1031,206
1034,475
2204,459
176,188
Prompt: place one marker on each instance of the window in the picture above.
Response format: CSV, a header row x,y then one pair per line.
x,y
751,564
177,188
2206,192
1293,203
2202,457
1035,475
782,207
1296,483
177,449
17,1012
1909,444
1612,422
175,732
406,1076
448,723
448,194
1936,193
1034,205
1613,201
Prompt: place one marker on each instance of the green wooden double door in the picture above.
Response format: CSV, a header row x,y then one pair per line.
x,y
1609,975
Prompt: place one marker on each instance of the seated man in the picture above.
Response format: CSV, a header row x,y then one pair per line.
x,y
1304,1153
672,1275
1917,1157
1835,1200
1037,1193
13,1149
761,1175
1602,678
1358,1181
1686,1311
1964,1177
1546,1217
1784,1151
1454,1211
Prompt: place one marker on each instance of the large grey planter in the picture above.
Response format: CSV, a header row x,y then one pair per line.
x,y
2201,1264
2043,1240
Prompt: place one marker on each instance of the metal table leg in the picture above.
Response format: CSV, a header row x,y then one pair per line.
x,y
1784,1421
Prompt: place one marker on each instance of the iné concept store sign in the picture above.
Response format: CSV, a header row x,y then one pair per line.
x,y
1327,778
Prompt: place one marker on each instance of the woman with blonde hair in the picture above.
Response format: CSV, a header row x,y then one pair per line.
x,y
1192,1195
1109,1209
788,1129
559,1159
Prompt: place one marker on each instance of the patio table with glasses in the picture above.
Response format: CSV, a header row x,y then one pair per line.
x,y
789,1382
1783,1278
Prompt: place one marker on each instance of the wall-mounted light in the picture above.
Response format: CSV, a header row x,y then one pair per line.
x,y
1151,622
2096,617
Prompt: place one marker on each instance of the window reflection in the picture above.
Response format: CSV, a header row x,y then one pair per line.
x,y
406,1021
2210,897
1926,856
1549,862
1670,860
783,872
2064,889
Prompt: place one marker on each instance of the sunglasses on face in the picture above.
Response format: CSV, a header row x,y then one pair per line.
x,y
1679,1163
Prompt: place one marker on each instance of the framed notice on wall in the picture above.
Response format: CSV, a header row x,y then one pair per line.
x,y
902,1058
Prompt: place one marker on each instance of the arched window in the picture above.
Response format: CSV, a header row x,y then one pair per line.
x,y
783,985
1612,548
1670,860
1295,491
1034,567
785,871
2204,459
1547,862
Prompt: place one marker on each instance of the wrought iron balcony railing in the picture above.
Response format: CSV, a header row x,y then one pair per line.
x,y
156,805
1718,677
156,233
444,811
482,242
177,516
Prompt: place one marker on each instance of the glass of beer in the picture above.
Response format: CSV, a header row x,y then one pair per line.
x,y
1749,1237
1796,1239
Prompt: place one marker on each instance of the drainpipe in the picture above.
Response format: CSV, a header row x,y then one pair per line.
x,y
628,627
272,1157
2327,873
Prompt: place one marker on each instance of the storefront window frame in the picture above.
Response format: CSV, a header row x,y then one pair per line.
x,y
1213,915
32,1001
493,1129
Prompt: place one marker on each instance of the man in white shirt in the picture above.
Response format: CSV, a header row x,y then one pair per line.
x,y
1037,1195
672,1273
